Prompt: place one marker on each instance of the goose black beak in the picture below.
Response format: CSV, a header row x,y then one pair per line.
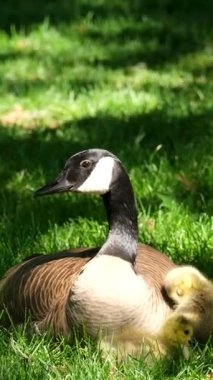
x,y
60,185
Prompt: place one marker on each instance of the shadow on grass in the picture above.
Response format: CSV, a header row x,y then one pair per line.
x,y
28,159
25,12
154,32
151,32
134,140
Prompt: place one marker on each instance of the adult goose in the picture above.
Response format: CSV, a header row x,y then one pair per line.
x,y
115,291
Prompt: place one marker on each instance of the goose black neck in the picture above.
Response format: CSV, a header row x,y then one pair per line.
x,y
122,218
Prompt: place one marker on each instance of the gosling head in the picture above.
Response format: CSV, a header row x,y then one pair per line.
x,y
183,282
90,171
192,293
178,329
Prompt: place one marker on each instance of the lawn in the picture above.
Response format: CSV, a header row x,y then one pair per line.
x,y
134,78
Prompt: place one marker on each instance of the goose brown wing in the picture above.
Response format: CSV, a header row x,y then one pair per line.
x,y
35,286
152,265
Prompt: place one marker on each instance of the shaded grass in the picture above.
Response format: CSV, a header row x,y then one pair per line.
x,y
135,79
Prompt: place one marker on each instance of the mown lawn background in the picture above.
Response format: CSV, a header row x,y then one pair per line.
x,y
132,77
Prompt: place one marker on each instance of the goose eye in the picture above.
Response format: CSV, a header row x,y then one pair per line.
x,y
85,163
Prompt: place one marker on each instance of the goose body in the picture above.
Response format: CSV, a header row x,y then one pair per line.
x,y
40,287
116,290
117,302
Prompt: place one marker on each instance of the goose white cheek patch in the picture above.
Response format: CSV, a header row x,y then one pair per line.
x,y
100,178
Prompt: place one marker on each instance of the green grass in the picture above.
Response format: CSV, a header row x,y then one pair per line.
x,y
132,78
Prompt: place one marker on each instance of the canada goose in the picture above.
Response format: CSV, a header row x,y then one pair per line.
x,y
192,294
115,290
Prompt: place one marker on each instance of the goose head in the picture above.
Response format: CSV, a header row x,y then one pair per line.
x,y
101,172
90,171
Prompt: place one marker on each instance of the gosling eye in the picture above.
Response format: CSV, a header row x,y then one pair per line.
x,y
179,292
186,332
86,164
